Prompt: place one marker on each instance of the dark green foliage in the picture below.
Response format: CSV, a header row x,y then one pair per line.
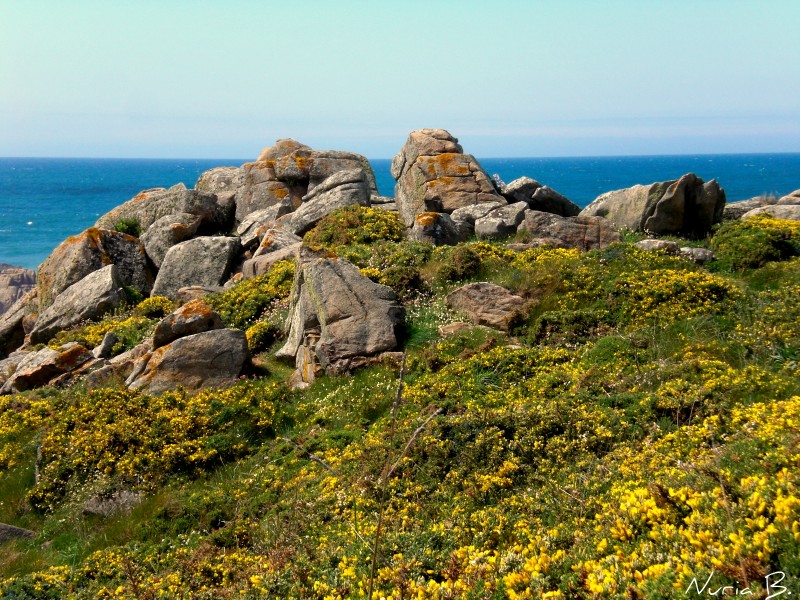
x,y
751,243
129,226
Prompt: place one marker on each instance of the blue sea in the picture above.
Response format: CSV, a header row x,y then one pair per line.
x,y
44,200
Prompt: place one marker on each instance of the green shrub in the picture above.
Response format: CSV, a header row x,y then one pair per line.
x,y
130,331
751,243
129,226
156,307
399,263
250,299
355,225
261,336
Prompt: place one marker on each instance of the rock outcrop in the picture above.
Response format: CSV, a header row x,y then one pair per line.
x,y
9,532
150,205
434,175
203,261
789,212
336,316
93,296
166,232
539,197
193,317
581,232
79,255
40,368
792,198
687,207
209,359
12,324
291,171
487,304
437,228
15,282
501,221
736,210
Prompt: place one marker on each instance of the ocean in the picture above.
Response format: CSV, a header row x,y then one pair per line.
x,y
44,200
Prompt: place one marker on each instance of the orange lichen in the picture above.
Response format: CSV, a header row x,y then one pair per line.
x,y
281,193
427,219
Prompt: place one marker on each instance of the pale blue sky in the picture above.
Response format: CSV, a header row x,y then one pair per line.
x,y
179,78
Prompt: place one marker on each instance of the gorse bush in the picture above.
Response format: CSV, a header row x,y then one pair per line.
x,y
751,243
155,307
251,299
130,331
355,225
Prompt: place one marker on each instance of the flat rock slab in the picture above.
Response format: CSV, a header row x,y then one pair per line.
x,y
203,261
789,212
193,317
486,304
208,359
91,297
41,367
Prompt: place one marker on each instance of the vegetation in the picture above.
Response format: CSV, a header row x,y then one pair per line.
x,y
129,226
638,431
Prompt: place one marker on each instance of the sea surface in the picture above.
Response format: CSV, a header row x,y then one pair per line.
x,y
44,200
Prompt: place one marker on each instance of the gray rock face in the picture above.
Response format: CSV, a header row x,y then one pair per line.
x,y
254,225
276,238
581,232
699,255
104,349
79,255
655,245
167,231
790,199
735,210
501,222
539,197
209,359
40,368
436,228
218,179
292,171
193,317
261,264
433,175
9,532
149,206
686,207
203,261
344,188
464,218
789,212
12,329
15,282
92,296
338,315
486,304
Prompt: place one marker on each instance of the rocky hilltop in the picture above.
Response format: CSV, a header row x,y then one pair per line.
x,y
279,384
237,223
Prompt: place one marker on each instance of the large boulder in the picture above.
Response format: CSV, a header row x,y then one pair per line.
x,y
343,188
167,231
487,304
581,232
15,282
438,229
336,315
291,171
789,212
276,238
501,221
193,317
792,198
263,263
12,323
208,359
464,218
736,210
203,261
91,297
40,368
79,255
687,207
434,175
150,205
539,197
219,180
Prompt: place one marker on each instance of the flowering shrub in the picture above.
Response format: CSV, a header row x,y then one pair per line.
x,y
155,307
130,331
751,243
251,299
355,225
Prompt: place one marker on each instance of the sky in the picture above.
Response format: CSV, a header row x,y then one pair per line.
x,y
223,79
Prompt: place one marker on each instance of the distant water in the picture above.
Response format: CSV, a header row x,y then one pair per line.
x,y
44,200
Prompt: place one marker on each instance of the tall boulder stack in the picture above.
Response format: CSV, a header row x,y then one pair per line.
x,y
687,206
434,175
